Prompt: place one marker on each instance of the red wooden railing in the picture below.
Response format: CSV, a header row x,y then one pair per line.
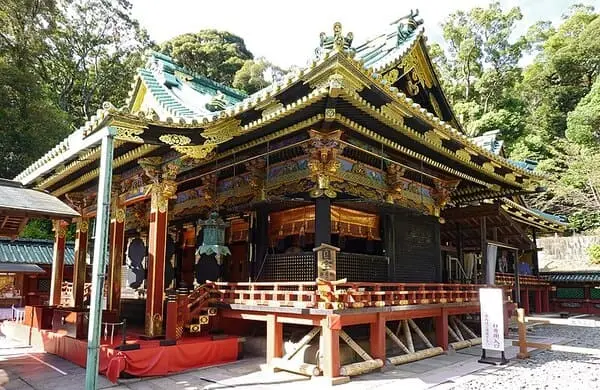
x,y
344,295
503,279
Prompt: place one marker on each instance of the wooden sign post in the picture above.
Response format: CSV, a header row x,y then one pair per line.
x,y
326,261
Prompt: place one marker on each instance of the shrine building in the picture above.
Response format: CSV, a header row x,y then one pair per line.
x,y
344,200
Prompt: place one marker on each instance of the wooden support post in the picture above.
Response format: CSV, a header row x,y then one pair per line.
x,y
523,354
408,336
80,257
525,300
162,189
322,221
536,263
483,244
441,330
377,337
330,331
58,261
538,301
274,338
546,300
116,245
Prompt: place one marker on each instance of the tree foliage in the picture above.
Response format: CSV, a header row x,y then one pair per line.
x,y
59,60
256,74
215,54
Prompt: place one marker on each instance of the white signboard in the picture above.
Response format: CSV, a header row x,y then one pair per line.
x,y
492,319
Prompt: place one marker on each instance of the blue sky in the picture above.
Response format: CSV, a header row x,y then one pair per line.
x,y
287,32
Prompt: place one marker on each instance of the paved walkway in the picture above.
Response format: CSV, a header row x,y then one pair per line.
x,y
31,370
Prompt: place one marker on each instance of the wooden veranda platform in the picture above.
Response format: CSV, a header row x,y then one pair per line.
x,y
330,307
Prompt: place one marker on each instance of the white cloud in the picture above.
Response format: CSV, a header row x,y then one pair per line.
x,y
287,32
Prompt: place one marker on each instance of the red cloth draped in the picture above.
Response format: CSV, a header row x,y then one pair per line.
x,y
151,359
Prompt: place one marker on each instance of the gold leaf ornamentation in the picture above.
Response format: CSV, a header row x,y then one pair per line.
x,y
489,167
130,134
175,139
433,137
197,152
463,154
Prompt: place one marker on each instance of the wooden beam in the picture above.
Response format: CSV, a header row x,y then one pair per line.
x,y
461,213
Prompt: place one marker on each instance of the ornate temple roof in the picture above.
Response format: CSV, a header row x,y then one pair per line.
x,y
359,88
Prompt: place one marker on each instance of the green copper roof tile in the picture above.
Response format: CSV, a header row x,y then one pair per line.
x,y
32,251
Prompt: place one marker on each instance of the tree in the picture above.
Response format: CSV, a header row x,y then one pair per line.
x,y
94,52
215,54
255,75
30,124
481,69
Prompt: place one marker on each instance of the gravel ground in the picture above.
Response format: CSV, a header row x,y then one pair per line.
x,y
548,369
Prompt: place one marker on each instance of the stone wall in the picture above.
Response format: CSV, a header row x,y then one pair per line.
x,y
566,254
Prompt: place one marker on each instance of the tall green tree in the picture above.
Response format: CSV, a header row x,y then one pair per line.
x,y
481,69
256,74
30,122
95,50
215,54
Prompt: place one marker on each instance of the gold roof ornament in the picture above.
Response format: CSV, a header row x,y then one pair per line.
x,y
336,42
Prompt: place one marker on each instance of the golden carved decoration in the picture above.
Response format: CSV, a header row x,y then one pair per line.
x,y
416,61
442,193
489,167
198,152
433,137
80,200
120,215
510,177
129,134
463,154
412,84
175,139
163,185
338,81
329,114
154,324
394,112
83,225
391,76
60,228
222,131
323,150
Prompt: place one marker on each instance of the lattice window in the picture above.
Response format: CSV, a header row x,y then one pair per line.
x,y
43,285
594,293
570,292
362,268
297,267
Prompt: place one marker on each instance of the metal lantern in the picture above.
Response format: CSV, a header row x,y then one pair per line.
x,y
213,242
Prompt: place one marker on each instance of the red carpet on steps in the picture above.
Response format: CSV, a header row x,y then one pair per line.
x,y
151,359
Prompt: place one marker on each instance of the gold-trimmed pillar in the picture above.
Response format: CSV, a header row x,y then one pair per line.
x,y
116,246
80,201
58,261
80,264
163,187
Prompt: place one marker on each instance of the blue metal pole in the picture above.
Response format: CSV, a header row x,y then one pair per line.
x,y
100,260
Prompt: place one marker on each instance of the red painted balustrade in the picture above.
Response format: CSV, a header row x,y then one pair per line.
x,y
336,295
